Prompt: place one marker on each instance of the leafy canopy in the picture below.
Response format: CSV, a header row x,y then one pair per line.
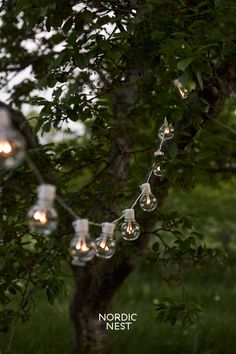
x,y
112,65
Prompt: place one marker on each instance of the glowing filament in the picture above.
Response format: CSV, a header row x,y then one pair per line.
x,y
148,200
41,217
81,246
5,147
182,90
129,228
103,245
167,130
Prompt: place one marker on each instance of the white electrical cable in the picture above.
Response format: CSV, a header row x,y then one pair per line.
x,y
62,202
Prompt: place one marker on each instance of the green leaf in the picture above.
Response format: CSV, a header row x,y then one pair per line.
x,y
12,290
157,35
155,246
57,93
47,127
56,21
173,149
72,38
205,155
80,60
67,24
200,81
87,15
48,24
183,64
22,4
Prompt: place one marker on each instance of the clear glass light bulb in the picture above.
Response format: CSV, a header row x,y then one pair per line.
x,y
42,219
42,216
166,131
76,262
12,144
147,201
130,230
105,245
158,170
81,247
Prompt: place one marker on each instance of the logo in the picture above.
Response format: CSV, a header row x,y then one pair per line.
x,y
118,321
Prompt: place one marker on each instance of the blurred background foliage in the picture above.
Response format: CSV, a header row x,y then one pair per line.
x,y
73,54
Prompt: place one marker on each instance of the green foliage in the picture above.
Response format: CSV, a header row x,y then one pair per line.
x,y
87,56
173,312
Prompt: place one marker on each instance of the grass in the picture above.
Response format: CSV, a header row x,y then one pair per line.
x,y
213,334
49,331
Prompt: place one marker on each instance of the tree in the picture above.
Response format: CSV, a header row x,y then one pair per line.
x,y
119,67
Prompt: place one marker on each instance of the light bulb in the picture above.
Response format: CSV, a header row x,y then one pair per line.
x,y
81,247
147,201
76,262
166,132
105,245
130,229
182,90
42,216
158,170
12,144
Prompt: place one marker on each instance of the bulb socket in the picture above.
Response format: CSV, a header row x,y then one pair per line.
x,y
46,193
5,121
158,153
129,214
145,188
108,228
81,226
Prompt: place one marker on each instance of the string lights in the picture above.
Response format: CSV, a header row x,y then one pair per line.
x,y
130,229
166,132
12,144
42,217
82,248
158,170
105,245
147,200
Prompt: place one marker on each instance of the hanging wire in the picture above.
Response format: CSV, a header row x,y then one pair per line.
x,y
41,180
62,202
136,201
147,180
161,143
34,169
95,224
115,221
149,176
159,152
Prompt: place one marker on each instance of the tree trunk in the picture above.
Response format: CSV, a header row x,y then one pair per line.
x,y
96,285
